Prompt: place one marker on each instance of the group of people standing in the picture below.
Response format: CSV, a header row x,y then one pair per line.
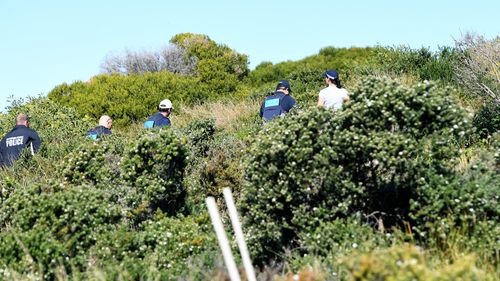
x,y
22,136
159,119
277,104
280,102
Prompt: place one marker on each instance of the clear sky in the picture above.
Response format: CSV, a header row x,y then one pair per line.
x,y
44,43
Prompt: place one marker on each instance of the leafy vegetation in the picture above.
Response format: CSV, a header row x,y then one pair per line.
x,y
402,183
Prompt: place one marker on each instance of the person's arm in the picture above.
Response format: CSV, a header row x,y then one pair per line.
x,y
163,122
288,103
36,142
321,101
346,97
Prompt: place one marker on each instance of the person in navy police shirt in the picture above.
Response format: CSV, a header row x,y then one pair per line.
x,y
22,136
160,119
279,103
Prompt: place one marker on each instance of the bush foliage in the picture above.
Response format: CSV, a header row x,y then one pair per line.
x,y
399,163
133,97
373,157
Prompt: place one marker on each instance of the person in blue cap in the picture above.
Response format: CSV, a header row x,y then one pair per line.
x,y
334,95
160,119
22,136
104,128
279,103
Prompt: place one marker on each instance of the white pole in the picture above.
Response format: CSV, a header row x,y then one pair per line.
x,y
223,242
233,214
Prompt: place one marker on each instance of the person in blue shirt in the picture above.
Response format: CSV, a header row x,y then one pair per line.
x,y
160,119
104,128
17,139
279,103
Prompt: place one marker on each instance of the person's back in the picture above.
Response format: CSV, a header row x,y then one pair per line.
x,y
272,106
20,137
334,95
104,128
160,119
279,103
157,120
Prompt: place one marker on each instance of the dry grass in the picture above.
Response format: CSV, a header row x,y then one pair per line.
x,y
226,114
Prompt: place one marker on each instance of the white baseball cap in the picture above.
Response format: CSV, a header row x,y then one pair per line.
x,y
165,104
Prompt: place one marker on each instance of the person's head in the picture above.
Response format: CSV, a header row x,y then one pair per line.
x,y
106,121
332,78
23,119
284,86
165,107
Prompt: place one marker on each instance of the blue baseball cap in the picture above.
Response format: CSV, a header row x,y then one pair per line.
x,y
332,74
283,84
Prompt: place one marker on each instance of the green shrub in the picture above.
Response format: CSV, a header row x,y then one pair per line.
x,y
381,104
340,237
199,134
34,252
94,163
60,128
464,212
344,60
132,98
56,225
410,263
127,99
371,157
421,63
154,167
167,245
220,168
487,120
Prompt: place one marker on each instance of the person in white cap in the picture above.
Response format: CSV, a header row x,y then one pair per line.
x,y
160,119
334,95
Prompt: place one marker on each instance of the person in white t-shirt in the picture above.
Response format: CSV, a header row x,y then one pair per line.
x,y
334,95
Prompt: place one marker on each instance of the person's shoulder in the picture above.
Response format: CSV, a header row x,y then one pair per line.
x,y
289,99
33,131
28,130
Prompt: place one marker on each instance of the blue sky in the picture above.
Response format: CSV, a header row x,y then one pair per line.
x,y
46,43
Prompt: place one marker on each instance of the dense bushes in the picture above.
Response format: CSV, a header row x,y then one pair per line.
x,y
345,60
131,98
94,163
410,263
396,164
162,246
487,119
421,63
51,227
154,166
127,99
371,158
60,128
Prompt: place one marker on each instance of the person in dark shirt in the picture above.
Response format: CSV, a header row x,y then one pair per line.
x,y
160,119
279,103
104,128
18,138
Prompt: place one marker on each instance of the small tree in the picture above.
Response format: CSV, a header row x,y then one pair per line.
x,y
171,58
478,66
